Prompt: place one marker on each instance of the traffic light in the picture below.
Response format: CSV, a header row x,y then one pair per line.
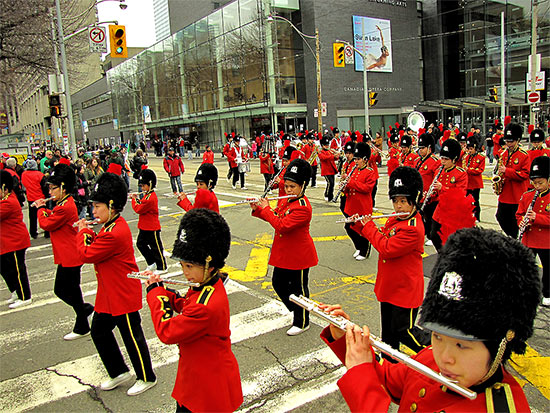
x,y
117,38
493,94
55,105
339,60
372,99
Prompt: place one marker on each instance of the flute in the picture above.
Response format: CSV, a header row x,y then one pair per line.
x,y
254,200
359,218
185,283
45,200
95,221
342,323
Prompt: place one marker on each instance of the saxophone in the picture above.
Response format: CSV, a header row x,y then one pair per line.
x,y
498,178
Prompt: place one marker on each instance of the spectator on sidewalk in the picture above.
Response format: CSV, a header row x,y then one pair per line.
x,y
174,168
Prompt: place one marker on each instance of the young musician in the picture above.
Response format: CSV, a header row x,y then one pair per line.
x,y
118,298
208,378
462,139
206,180
474,163
293,252
347,167
498,141
400,279
537,213
480,307
537,148
408,156
266,167
313,149
288,154
15,241
513,168
394,153
327,157
59,223
149,242
208,155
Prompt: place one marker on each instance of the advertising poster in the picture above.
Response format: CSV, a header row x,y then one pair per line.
x,y
377,46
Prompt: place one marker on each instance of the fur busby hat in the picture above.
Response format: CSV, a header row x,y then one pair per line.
x,y
450,149
298,171
406,141
471,143
462,137
148,177
513,132
110,189
335,131
63,176
202,234
325,140
6,180
362,150
395,138
349,147
406,181
288,152
540,167
537,135
208,174
426,140
484,286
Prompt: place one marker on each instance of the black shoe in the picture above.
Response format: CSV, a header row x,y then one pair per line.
x,y
34,236
46,235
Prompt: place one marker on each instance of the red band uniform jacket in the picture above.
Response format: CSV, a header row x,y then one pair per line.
x,y
413,391
204,198
266,164
394,155
537,234
347,167
475,165
293,247
148,210
31,181
328,166
428,168
454,177
208,378
208,157
516,177
409,159
400,245
59,222
533,153
358,192
112,253
13,230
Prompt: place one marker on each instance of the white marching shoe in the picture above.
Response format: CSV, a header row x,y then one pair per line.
x,y
360,258
546,301
20,303
429,243
12,298
74,336
151,267
356,253
294,331
115,382
140,386
160,272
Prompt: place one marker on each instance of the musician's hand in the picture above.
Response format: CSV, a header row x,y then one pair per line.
x,y
262,203
365,219
82,223
335,310
531,215
134,195
501,169
438,186
181,196
153,278
358,349
344,176
39,202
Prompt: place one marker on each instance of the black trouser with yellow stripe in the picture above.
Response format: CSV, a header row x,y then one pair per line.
x,y
14,271
286,282
398,327
67,289
129,326
150,246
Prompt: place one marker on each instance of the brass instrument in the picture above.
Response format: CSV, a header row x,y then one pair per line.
x,y
360,217
431,189
254,200
342,185
184,283
381,152
524,224
342,323
314,155
498,178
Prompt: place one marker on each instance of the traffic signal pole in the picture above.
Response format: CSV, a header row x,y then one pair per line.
x,y
365,86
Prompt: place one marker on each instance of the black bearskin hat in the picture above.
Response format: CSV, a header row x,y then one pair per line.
x,y
336,130
394,138
406,141
483,285
540,167
288,152
325,140
202,233
362,150
462,137
148,177
406,181
513,132
471,143
63,176
537,135
208,174
110,189
450,149
426,140
298,171
6,180
349,147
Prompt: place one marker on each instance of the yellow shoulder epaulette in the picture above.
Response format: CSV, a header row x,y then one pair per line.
x,y
303,202
148,196
460,169
87,239
205,295
110,227
499,398
412,222
522,151
165,307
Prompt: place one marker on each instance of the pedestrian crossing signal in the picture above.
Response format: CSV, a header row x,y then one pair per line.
x,y
55,105
339,59
372,99
117,38
493,94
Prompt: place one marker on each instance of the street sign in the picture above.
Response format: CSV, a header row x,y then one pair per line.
x,y
323,110
98,39
533,97
535,108
540,81
349,55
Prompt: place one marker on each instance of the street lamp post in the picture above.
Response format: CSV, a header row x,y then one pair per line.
x,y
270,19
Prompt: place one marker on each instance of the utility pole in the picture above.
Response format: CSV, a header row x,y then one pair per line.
x,y
365,86
534,68
502,71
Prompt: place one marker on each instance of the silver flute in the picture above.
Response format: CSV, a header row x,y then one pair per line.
x,y
95,221
46,200
342,323
359,218
254,200
184,283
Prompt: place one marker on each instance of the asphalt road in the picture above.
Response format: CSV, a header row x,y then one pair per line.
x,y
41,372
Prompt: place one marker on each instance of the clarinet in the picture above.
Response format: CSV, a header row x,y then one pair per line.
x,y
431,189
270,184
524,224
343,184
342,323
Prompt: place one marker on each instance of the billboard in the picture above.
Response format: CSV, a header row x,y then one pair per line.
x,y
377,47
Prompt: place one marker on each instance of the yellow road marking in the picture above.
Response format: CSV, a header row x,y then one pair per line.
x,y
535,368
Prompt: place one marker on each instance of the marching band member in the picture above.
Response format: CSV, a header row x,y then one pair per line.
x,y
513,167
498,141
286,157
118,298
359,198
462,139
474,163
400,279
327,157
148,241
293,252
537,149
374,160
394,153
208,155
206,180
225,152
266,167
312,148
473,333
408,157
428,165
59,223
208,378
347,167
15,241
536,212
